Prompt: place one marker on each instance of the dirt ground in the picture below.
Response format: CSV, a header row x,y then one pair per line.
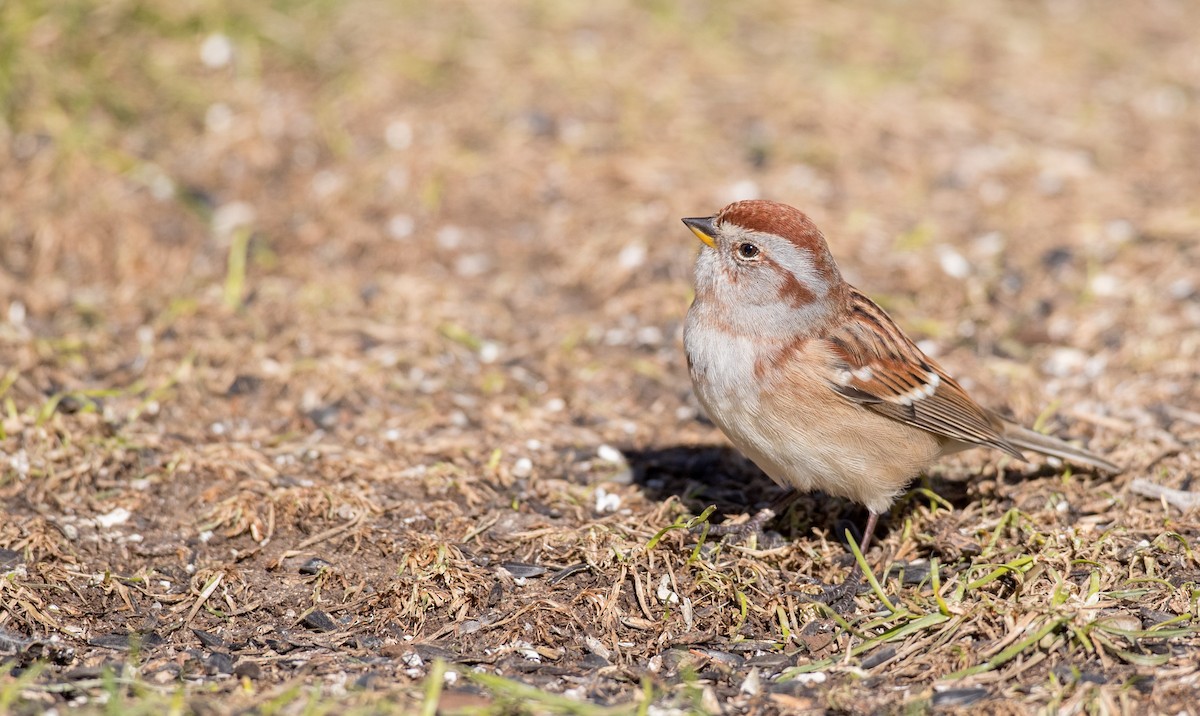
x,y
341,363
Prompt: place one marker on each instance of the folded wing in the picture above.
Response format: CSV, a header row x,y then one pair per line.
x,y
878,367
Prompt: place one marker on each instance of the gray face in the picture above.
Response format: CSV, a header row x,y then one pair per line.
x,y
766,283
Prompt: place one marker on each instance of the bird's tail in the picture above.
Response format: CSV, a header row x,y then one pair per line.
x,y
1026,439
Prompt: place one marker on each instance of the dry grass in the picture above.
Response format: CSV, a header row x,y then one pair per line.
x,y
341,354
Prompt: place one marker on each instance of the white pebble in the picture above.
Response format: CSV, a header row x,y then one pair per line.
x,y
19,461
16,313
954,264
816,677
401,226
1181,289
608,453
231,216
1064,362
526,650
931,348
114,518
740,190
631,256
1104,284
607,501
399,134
1120,231
665,594
489,352
216,50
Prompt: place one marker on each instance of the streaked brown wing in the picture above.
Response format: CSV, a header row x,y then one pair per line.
x,y
879,367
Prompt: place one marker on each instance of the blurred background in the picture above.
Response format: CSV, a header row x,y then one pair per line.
x,y
428,220
517,168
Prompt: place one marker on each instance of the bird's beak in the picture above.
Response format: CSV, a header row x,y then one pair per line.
x,y
703,229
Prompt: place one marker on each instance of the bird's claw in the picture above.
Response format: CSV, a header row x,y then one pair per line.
x,y
838,597
754,525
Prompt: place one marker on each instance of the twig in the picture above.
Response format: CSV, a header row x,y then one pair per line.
x,y
640,594
64,687
1189,416
270,524
208,590
1182,499
1104,421
479,529
331,532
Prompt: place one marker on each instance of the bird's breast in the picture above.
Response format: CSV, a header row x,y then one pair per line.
x,y
773,403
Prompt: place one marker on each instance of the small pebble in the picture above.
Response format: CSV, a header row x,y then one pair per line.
x,y
216,51
247,670
954,264
606,501
111,519
314,566
318,620
608,453
816,677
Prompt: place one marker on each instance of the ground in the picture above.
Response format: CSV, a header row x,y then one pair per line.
x,y
341,363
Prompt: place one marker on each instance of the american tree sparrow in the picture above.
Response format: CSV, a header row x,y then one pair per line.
x,y
812,380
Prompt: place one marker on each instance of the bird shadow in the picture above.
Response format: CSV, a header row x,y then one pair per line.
x,y
712,475
718,476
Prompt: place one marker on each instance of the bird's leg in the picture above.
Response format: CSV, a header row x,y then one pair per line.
x,y
872,518
840,594
857,575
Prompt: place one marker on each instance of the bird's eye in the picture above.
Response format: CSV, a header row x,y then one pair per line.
x,y
747,251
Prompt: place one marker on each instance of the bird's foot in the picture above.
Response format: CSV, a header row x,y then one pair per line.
x,y
838,597
752,526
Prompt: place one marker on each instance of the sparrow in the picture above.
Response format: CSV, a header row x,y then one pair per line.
x,y
812,380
